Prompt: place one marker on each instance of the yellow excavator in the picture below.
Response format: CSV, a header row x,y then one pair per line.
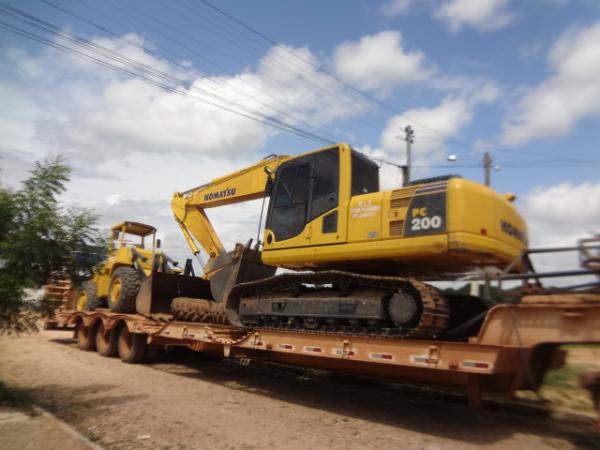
x,y
359,256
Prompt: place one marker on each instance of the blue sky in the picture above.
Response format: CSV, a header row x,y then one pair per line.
x,y
517,78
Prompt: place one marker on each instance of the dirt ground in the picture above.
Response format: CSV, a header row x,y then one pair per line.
x,y
186,402
33,430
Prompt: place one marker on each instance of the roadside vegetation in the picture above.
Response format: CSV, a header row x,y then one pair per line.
x,y
39,237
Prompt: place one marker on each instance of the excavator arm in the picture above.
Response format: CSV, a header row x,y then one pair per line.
x,y
189,206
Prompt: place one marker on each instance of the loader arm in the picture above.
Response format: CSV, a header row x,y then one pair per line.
x,y
189,206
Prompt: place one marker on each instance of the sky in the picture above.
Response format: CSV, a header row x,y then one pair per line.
x,y
145,98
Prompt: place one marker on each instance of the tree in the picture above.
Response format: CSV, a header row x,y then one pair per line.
x,y
38,237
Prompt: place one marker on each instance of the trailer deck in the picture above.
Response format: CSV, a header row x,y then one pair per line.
x,y
514,348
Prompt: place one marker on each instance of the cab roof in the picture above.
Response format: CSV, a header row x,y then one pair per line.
x,y
135,228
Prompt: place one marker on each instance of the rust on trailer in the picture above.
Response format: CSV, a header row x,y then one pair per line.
x,y
527,325
515,346
135,323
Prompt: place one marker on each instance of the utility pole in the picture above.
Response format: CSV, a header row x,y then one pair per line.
x,y
410,139
487,167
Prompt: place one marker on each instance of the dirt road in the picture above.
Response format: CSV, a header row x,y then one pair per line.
x,y
184,402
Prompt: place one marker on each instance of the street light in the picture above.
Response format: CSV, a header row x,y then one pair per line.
x,y
487,165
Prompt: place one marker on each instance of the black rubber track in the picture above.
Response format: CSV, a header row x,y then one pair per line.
x,y
433,320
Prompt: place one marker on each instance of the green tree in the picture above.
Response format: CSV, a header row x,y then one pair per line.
x,y
38,237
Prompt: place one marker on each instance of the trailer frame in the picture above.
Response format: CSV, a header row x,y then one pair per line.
x,y
514,348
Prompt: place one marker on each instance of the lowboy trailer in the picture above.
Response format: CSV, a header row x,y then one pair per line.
x,y
513,349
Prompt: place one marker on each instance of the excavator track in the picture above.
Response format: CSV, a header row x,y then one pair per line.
x,y
433,320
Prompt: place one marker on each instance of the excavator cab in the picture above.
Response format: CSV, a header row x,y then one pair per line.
x,y
310,196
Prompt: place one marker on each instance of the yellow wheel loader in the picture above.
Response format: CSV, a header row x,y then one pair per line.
x,y
367,251
134,255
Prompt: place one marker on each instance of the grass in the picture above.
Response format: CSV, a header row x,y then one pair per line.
x,y
567,377
576,346
561,388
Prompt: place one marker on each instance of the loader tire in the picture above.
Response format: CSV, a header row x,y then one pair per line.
x,y
132,346
107,341
86,337
198,310
87,299
122,291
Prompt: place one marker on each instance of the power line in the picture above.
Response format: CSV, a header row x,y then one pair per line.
x,y
139,15
324,90
331,138
127,63
332,76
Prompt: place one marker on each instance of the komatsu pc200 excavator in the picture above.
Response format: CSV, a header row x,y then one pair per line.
x,y
359,256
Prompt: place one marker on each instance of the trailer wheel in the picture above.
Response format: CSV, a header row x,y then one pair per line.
x,y
86,337
122,291
87,299
132,346
107,341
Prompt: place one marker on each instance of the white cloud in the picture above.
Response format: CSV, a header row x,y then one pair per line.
x,y
484,15
558,216
390,177
379,62
571,93
447,119
99,113
561,214
132,145
395,7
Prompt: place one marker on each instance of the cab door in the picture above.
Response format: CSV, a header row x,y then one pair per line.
x,y
304,202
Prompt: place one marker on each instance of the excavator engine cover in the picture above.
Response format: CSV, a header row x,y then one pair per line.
x,y
160,288
238,266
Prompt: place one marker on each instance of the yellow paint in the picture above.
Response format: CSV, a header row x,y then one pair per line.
x,y
82,301
122,255
115,292
482,227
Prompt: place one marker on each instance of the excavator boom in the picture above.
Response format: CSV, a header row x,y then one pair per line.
x,y
244,185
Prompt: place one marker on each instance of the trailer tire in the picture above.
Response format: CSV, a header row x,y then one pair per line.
x,y
122,290
87,299
107,341
86,337
132,346
198,310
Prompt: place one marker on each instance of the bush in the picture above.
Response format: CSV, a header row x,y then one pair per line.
x,y
38,237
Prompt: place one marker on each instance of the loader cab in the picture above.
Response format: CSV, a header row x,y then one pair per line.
x,y
134,234
310,195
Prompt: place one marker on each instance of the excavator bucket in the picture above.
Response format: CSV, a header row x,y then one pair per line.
x,y
160,288
238,266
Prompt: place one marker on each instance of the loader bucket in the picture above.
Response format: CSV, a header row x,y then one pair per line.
x,y
157,291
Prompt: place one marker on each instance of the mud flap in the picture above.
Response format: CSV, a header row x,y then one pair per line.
x,y
159,289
